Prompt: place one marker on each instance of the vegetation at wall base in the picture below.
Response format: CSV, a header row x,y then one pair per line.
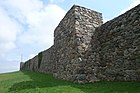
x,y
33,82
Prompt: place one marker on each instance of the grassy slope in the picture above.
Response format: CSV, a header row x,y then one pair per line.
x,y
31,82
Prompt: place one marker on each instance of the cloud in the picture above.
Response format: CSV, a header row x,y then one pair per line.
x,y
133,4
8,31
19,9
56,1
34,21
8,65
41,25
26,23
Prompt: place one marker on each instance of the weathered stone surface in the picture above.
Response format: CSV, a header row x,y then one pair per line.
x,y
85,50
117,49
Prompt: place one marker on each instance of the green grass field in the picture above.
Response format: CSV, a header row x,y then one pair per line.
x,y
31,82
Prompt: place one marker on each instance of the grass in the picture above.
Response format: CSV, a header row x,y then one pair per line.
x,y
31,82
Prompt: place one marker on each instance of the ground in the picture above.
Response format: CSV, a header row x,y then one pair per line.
x,y
32,82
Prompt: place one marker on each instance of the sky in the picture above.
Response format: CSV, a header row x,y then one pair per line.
x,y
27,26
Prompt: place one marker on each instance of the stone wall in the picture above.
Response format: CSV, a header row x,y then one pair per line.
x,y
119,47
85,50
31,64
72,38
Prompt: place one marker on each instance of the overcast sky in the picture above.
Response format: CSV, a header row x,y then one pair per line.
x,y
27,26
